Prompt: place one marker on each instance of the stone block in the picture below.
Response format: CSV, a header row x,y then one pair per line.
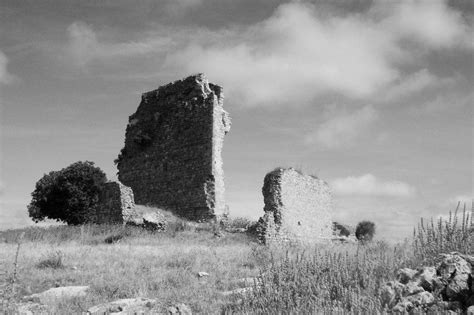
x,y
172,154
116,204
297,208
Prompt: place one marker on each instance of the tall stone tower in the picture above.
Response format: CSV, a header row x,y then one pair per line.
x,y
173,143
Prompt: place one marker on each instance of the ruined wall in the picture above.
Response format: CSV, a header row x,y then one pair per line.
x,y
173,143
116,204
297,208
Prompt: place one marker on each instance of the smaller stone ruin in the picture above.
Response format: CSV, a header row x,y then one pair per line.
x,y
116,204
297,208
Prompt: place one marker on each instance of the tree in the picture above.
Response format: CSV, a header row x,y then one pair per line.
x,y
365,231
69,195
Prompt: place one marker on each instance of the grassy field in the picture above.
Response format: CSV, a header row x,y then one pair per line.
x,y
164,266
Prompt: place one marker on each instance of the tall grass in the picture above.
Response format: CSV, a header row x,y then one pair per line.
x,y
348,279
341,278
446,235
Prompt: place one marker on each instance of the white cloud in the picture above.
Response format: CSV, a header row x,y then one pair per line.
x,y
369,185
294,56
431,22
342,130
84,47
410,84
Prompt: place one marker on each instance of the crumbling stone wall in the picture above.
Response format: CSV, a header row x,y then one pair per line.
x,y
297,208
116,204
173,143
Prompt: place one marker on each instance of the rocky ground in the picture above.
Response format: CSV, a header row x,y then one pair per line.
x,y
448,286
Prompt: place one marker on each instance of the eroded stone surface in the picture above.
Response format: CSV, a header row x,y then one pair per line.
x,y
125,306
448,286
116,204
297,208
179,309
58,294
173,143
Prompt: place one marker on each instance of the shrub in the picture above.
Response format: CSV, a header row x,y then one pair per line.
x,y
69,195
52,260
365,231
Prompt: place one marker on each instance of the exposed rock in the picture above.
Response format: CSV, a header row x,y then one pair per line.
x,y
202,274
172,154
116,204
452,264
181,309
457,286
125,306
403,306
425,289
31,308
422,298
297,208
405,275
57,294
154,221
390,293
427,278
457,271
412,288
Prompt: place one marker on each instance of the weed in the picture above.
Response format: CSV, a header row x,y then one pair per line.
x,y
53,260
454,234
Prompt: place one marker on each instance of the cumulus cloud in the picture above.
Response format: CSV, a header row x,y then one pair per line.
x,y
410,84
342,130
431,22
369,185
295,55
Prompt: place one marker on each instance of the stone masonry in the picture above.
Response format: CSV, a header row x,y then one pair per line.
x,y
116,204
297,208
173,143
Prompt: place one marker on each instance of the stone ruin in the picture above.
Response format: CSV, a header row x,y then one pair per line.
x,y
172,153
116,204
297,208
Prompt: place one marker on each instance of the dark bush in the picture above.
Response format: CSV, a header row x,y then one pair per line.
x,y
69,195
365,231
53,260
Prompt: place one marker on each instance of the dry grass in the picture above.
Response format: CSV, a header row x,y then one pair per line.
x,y
164,266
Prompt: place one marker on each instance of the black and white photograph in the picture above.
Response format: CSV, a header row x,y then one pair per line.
x,y
236,157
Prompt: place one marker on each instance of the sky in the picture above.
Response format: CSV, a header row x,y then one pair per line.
x,y
374,97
